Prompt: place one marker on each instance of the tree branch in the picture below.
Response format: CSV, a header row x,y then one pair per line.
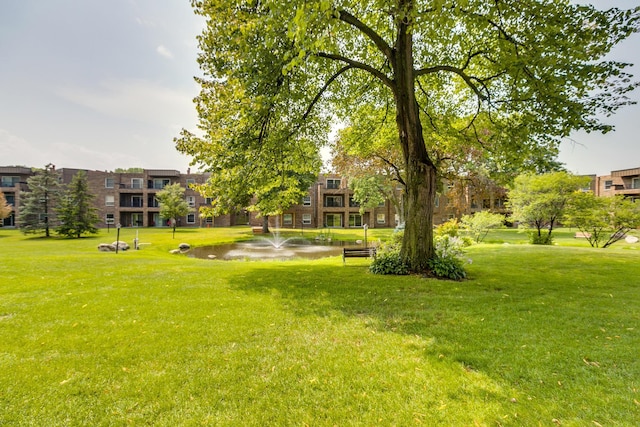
x,y
382,45
460,72
358,65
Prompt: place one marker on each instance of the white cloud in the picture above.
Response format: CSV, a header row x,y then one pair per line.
x,y
136,100
162,50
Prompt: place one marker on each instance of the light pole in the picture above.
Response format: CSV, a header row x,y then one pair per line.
x,y
365,234
117,237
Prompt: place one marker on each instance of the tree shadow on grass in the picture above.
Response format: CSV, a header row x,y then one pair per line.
x,y
400,304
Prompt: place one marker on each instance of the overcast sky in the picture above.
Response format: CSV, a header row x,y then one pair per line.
x,y
101,84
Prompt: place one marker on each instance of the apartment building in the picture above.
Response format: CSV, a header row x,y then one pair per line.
x,y
329,203
625,182
128,198
13,181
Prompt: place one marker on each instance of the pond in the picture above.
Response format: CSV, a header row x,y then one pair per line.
x,y
268,249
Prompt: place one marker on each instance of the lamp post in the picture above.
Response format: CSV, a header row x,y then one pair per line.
x,y
365,234
117,237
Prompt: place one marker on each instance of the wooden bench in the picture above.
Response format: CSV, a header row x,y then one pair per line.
x,y
581,235
358,253
256,230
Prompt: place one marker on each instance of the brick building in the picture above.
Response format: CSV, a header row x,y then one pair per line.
x,y
128,198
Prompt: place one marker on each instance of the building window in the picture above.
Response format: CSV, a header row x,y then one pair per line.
x,y
380,218
160,183
136,182
353,203
109,201
136,201
10,198
190,181
355,220
109,183
635,183
306,219
208,201
209,220
608,184
191,218
333,201
110,219
306,201
287,219
334,220
191,201
486,203
9,181
333,184
498,203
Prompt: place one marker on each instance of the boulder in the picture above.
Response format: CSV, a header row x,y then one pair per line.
x,y
631,239
184,246
106,247
175,251
122,246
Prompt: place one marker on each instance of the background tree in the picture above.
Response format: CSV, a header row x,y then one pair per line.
x,y
37,208
173,204
75,212
512,78
603,220
5,208
539,201
479,224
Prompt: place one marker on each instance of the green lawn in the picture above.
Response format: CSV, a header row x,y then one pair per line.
x,y
536,336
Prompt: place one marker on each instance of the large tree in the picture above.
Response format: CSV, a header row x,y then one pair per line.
x,y
511,77
76,212
38,205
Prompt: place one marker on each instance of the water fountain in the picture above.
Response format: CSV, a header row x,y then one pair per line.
x,y
275,247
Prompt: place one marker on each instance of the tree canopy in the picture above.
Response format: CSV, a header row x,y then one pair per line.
x,y
539,201
509,78
603,220
173,204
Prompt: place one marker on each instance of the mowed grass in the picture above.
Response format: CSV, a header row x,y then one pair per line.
x,y
536,336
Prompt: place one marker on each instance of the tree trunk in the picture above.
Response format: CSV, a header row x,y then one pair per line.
x,y
421,173
265,224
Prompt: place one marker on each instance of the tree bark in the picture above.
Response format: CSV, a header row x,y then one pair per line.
x,y
421,173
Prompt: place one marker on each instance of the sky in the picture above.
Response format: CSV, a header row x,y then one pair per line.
x,y
101,85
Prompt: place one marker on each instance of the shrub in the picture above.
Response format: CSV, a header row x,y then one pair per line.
x,y
448,262
540,239
479,224
449,228
388,259
389,262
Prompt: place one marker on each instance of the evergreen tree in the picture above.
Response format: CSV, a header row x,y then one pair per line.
x,y
76,212
37,210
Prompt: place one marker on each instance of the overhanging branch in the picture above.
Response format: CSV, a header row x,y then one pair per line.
x,y
358,65
382,45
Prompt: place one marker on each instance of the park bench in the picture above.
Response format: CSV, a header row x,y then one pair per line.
x,y
581,235
257,230
358,253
